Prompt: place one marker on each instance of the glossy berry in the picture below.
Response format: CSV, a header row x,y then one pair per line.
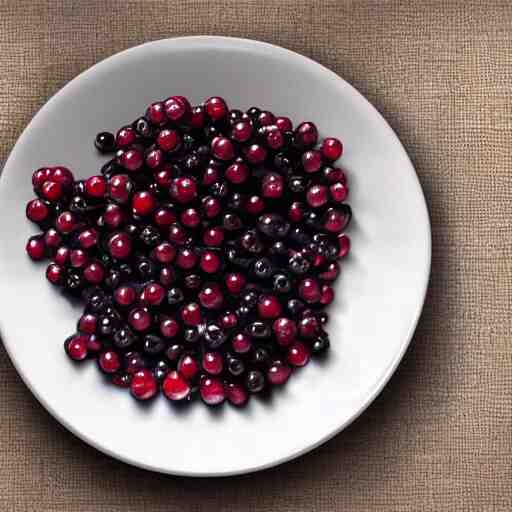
x,y
140,319
96,186
211,296
236,394
210,262
36,248
269,307
105,142
241,343
143,203
331,149
52,190
212,363
212,391
132,160
191,314
175,387
298,354
183,189
343,245
312,161
222,148
309,290
76,347
143,385
237,173
242,131
109,361
216,108
285,330
272,186
317,196
278,373
120,245
37,211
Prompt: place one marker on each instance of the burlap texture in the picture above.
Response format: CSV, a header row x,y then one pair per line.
x,y
439,436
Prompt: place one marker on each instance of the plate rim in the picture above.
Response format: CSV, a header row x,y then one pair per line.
x,y
243,44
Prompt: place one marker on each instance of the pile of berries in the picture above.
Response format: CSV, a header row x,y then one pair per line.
x,y
205,250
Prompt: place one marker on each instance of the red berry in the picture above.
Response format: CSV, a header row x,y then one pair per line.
x,y
175,387
212,391
154,158
331,272
94,272
125,295
191,314
309,290
335,220
63,176
197,117
62,255
88,238
96,186
153,294
52,191
285,330
338,192
296,211
278,373
306,134
188,366
168,140
190,218
164,217
120,245
222,148
65,222
213,237
237,173
176,107
87,323
235,282
241,343
125,137
169,327
308,327
183,189
186,258
211,296
316,196
76,347
120,187
242,131
156,113
144,385
212,363
40,176
284,124
52,238
211,206
236,394
55,273
140,319
254,205
109,361
210,262
274,137
343,245
312,161
215,108
269,307
164,252
36,248
327,295
143,203
113,216
272,185
37,211
78,258
298,354
332,149
255,153
132,160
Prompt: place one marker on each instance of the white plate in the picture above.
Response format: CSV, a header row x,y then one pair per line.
x,y
380,292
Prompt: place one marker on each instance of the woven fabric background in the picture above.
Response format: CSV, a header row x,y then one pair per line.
x,y
439,437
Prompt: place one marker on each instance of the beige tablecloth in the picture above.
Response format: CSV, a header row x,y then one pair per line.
x,y
439,436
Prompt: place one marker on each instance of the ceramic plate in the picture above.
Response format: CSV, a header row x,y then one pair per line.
x,y
379,294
